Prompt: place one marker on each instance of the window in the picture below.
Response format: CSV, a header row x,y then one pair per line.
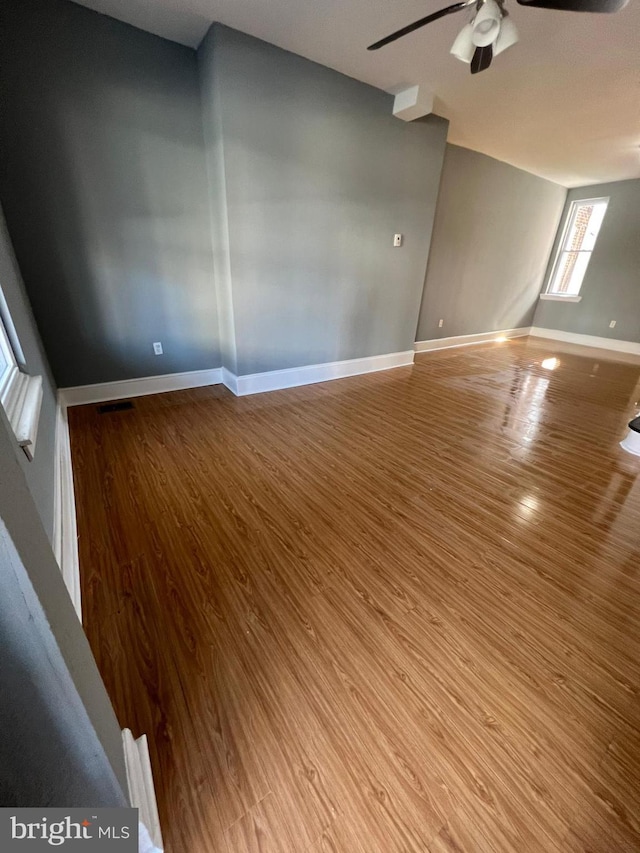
x,y
20,394
578,240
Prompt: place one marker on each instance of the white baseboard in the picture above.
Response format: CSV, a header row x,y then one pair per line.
x,y
254,383
275,380
230,380
142,794
65,533
467,340
586,340
80,395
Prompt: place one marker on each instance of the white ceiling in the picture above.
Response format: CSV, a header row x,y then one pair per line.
x,y
564,103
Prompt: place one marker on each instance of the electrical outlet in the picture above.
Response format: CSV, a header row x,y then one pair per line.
x,y
157,348
612,324
440,323
397,240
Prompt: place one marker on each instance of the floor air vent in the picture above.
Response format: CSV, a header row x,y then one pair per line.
x,y
121,406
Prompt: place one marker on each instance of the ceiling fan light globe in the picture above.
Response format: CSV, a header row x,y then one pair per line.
x,y
486,25
507,36
463,47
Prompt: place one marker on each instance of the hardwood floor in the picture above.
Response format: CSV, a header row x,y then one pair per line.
x,y
393,613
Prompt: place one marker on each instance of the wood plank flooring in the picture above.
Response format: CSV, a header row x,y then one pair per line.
x,y
387,614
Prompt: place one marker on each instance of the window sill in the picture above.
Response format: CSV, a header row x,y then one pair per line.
x,y
556,297
21,398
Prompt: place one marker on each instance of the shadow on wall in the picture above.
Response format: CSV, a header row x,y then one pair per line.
x,y
105,196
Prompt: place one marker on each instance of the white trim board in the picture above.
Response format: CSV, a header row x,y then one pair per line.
x,y
467,340
254,383
80,395
559,297
230,381
142,794
65,532
586,340
293,377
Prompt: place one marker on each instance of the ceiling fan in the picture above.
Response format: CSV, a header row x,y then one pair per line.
x,y
490,30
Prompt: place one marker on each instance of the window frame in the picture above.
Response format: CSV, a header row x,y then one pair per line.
x,y
9,356
560,251
20,396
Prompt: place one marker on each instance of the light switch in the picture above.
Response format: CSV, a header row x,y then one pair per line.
x,y
397,240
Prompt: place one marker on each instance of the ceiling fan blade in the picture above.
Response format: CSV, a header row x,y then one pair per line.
x,y
481,59
448,10
577,5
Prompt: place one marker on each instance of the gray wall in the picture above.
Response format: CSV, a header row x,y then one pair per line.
x,y
494,229
49,753
319,176
118,218
39,473
611,286
60,742
103,183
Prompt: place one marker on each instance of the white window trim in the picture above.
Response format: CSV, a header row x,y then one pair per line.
x,y
559,297
21,398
